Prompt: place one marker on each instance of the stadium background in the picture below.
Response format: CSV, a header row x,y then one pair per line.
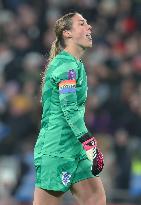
x,y
113,111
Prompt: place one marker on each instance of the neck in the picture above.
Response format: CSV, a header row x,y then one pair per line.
x,y
75,51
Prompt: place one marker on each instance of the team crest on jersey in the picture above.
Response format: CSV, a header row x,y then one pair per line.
x,y
65,178
71,74
67,86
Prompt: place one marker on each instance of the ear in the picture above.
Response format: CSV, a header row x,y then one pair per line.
x,y
67,34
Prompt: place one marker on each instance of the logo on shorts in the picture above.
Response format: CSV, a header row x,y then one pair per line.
x,y
66,178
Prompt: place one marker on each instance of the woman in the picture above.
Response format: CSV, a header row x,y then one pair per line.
x,y
66,155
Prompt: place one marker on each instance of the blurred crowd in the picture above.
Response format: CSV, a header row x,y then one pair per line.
x,y
113,111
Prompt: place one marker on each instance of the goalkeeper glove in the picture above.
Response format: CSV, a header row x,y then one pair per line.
x,y
93,153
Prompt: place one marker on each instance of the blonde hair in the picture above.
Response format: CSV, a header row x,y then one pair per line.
x,y
63,23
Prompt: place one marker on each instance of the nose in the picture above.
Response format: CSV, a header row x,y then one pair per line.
x,y
89,27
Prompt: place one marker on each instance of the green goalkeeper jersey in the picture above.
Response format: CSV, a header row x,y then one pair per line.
x,y
63,101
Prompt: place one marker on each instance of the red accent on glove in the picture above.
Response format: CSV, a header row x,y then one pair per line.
x,y
89,144
98,163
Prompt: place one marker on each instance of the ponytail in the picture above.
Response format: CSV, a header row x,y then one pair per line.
x,y
55,49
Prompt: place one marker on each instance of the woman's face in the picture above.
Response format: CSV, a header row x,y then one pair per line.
x,y
81,32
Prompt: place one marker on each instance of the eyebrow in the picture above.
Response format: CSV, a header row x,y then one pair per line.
x,y
83,20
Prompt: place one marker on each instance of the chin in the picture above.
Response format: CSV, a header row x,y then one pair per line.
x,y
89,46
85,46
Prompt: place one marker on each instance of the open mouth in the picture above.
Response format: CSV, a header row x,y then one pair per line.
x,y
89,37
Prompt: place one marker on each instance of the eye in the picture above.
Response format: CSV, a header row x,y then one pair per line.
x,y
82,23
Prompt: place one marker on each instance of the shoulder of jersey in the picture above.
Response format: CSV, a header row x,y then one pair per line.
x,y
62,57
62,60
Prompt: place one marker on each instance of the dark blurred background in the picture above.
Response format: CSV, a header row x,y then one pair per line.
x,y
113,111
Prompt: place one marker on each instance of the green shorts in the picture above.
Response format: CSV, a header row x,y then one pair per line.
x,y
59,174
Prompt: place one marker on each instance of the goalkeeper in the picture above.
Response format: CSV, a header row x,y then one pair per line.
x,y
66,155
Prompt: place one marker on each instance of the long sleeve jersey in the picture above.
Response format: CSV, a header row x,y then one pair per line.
x,y
63,107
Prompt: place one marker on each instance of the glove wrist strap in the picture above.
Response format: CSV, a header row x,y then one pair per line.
x,y
85,137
